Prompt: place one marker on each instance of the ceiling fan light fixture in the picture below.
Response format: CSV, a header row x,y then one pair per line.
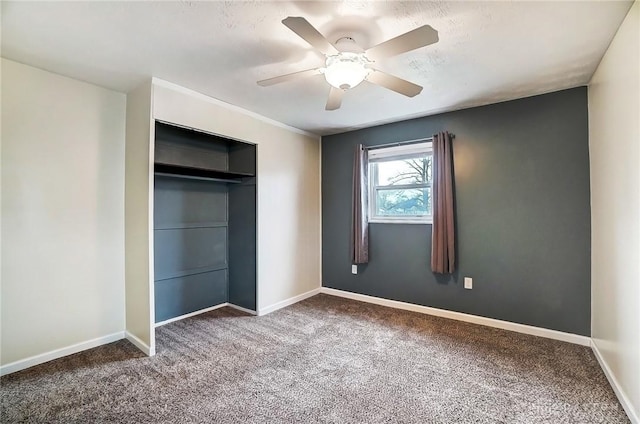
x,y
346,70
347,64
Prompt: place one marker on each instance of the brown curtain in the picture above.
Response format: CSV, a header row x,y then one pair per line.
x,y
443,228
359,207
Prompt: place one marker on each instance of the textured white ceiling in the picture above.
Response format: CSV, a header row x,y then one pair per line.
x,y
488,51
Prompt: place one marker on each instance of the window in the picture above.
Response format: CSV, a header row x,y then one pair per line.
x,y
400,183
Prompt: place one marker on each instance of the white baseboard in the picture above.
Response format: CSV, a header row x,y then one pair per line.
x,y
140,344
59,353
459,316
191,314
287,302
622,396
240,308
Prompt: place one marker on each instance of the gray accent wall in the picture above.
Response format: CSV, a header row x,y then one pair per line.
x,y
522,211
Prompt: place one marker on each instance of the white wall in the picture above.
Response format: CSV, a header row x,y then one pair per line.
x,y
288,188
139,288
63,209
614,143
62,212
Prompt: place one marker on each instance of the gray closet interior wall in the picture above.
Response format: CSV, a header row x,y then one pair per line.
x,y
242,228
204,226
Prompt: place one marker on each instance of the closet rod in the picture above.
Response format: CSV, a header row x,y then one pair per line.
x,y
193,177
402,143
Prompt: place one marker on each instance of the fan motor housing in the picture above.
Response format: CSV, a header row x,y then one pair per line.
x,y
348,44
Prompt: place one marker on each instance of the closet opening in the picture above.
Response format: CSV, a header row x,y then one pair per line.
x,y
204,222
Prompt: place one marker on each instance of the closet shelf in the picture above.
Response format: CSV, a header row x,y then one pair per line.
x,y
180,171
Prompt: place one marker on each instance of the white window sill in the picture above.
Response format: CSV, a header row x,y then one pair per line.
x,y
400,221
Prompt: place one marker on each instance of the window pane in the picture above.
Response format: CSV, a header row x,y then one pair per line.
x,y
415,170
403,202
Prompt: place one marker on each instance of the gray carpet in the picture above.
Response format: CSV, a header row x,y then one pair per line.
x,y
324,360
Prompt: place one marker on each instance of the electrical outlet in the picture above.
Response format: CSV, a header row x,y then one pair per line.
x,y
354,269
468,283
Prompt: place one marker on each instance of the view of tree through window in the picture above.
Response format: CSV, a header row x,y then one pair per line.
x,y
403,186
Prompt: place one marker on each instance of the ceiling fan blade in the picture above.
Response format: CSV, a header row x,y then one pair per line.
x,y
309,34
419,37
289,77
335,99
393,83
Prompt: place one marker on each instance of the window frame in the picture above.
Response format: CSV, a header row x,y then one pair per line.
x,y
396,153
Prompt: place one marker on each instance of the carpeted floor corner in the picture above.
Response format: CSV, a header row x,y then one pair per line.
x,y
323,360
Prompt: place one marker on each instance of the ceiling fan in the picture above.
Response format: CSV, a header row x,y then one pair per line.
x,y
347,64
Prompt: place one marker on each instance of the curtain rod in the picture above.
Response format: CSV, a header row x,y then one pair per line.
x,y
401,143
